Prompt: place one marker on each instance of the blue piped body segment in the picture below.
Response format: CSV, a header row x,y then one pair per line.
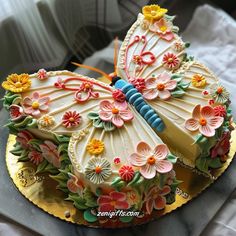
x,y
134,97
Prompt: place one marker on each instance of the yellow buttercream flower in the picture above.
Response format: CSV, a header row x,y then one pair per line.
x,y
17,83
153,12
198,81
46,121
95,147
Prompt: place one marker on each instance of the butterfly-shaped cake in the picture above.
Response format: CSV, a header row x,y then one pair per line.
x,y
112,147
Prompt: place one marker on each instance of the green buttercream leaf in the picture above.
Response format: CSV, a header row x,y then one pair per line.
x,y
120,185
108,126
116,181
176,77
51,169
63,147
88,216
215,163
187,44
135,178
98,191
183,85
41,167
91,200
161,180
78,201
62,138
202,164
198,138
126,219
11,98
169,18
35,143
139,182
172,158
98,123
178,92
170,198
175,29
93,115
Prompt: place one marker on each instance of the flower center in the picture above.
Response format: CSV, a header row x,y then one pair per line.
x,y
202,121
163,28
115,111
87,86
35,105
160,87
113,203
72,119
153,13
98,169
170,59
151,160
18,84
219,90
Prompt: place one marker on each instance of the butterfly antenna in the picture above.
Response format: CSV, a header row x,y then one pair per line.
x,y
92,69
115,55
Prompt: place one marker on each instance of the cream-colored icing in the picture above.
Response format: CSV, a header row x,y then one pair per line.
x,y
174,111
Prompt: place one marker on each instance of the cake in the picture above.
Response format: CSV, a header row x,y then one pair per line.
x,y
112,148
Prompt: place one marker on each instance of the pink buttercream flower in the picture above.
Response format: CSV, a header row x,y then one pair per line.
x,y
117,160
42,74
159,87
170,61
138,83
115,200
155,198
220,111
204,120
35,157
126,173
23,137
35,105
222,147
16,112
71,119
74,185
116,112
51,153
118,95
151,161
163,29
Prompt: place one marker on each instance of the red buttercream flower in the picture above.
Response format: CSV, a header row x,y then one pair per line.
x,y
138,83
35,157
170,61
71,119
118,95
220,111
126,173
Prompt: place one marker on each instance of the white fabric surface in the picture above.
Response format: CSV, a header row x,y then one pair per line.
x,y
212,34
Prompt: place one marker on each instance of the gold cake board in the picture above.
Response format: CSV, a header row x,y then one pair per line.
x,y
41,190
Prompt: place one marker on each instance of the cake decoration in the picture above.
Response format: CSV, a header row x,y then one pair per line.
x,y
42,74
98,141
17,83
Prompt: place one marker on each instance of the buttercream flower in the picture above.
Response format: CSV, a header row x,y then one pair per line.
x,y
205,93
113,201
178,45
118,95
132,197
46,121
116,160
95,147
198,81
170,61
159,87
23,137
98,170
219,93
16,112
50,153
71,119
153,12
155,198
42,74
163,29
220,111
204,120
151,161
144,24
222,146
35,157
211,102
74,185
126,173
138,83
60,84
35,105
116,112
17,83
170,176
